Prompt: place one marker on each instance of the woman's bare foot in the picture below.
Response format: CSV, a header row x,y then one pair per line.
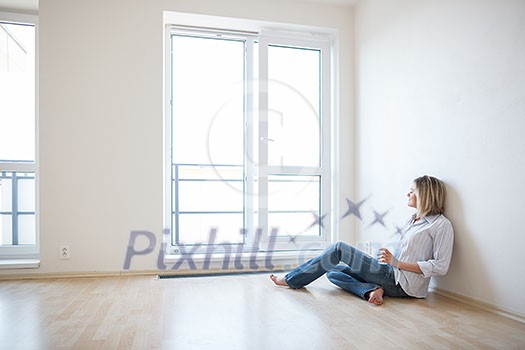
x,y
280,281
376,297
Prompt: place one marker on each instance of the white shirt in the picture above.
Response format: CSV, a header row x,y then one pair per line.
x,y
427,242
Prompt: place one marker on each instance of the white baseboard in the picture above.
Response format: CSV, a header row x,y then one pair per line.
x,y
34,276
480,304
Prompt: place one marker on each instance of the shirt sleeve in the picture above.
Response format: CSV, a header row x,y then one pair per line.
x,y
443,240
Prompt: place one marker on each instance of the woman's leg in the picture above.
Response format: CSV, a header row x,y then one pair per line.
x,y
314,268
356,283
350,283
368,268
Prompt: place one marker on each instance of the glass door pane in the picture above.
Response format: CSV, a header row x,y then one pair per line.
x,y
208,100
17,92
293,204
207,138
294,83
207,197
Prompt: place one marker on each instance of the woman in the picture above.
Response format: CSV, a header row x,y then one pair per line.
x,y
424,250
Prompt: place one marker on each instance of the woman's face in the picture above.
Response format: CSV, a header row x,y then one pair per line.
x,y
412,196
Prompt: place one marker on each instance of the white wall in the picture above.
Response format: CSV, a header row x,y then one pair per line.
x,y
441,91
101,120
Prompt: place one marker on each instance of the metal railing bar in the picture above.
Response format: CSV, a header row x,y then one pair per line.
x,y
19,213
16,161
291,211
14,209
207,165
210,180
209,212
18,177
175,193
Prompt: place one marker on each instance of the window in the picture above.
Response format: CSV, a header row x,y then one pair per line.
x,y
18,218
248,140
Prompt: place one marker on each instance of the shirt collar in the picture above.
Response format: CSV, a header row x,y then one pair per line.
x,y
429,218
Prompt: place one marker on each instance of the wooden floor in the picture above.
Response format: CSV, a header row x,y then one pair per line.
x,y
241,312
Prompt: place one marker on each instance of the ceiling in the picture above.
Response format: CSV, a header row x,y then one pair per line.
x,y
32,5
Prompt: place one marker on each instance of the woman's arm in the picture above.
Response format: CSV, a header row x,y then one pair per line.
x,y
387,257
412,267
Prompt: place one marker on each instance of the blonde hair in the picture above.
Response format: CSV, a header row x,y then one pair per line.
x,y
431,194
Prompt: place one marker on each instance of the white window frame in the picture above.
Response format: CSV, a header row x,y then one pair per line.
x,y
25,251
307,39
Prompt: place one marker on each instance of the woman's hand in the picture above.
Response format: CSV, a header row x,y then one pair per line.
x,y
386,257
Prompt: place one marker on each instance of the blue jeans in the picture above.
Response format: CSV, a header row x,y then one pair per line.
x,y
348,268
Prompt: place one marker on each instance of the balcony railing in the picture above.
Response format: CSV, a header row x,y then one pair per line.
x,y
206,196
17,208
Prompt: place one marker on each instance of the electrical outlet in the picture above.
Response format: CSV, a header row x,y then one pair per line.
x,y
65,252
